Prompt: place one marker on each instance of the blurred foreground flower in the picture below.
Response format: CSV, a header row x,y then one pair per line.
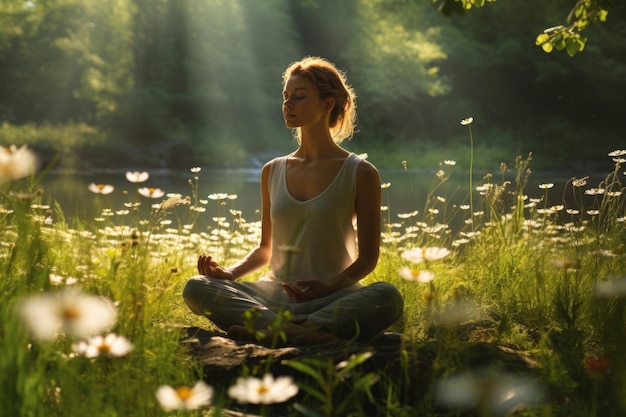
x,y
411,274
495,395
136,176
101,188
151,192
611,287
418,255
109,345
184,398
16,162
263,391
69,311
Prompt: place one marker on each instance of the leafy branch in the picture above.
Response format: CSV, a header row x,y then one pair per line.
x,y
561,37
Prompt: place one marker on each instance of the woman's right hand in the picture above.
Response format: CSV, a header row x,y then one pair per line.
x,y
210,268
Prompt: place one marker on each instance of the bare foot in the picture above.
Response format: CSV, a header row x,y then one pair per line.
x,y
296,335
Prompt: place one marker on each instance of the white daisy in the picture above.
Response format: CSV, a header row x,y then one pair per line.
x,y
263,391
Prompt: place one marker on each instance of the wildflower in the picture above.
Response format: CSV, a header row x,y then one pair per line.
x,y
151,192
222,196
467,121
407,215
385,185
612,287
195,170
136,176
110,345
58,280
263,391
101,188
70,312
434,229
546,186
459,312
595,191
580,182
16,162
593,212
449,162
564,263
418,255
183,397
617,153
497,394
411,274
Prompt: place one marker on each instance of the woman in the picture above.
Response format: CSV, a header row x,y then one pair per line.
x,y
310,200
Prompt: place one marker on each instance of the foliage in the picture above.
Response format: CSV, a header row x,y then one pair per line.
x,y
568,37
150,73
528,268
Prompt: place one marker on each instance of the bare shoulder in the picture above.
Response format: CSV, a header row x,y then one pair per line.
x,y
367,171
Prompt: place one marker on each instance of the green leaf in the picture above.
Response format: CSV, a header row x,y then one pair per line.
x,y
574,45
306,369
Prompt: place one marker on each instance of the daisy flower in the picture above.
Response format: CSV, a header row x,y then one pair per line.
x,y
109,345
69,311
263,391
151,192
411,274
136,176
16,162
418,255
183,397
101,188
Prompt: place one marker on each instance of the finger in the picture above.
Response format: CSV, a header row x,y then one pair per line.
x,y
290,292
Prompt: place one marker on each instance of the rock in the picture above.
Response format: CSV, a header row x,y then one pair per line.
x,y
416,365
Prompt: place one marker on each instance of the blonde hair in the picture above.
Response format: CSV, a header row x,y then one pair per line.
x,y
329,83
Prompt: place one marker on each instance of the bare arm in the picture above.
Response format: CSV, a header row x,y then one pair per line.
x,y
367,208
259,256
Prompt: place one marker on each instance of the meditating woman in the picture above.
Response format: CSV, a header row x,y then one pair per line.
x,y
320,232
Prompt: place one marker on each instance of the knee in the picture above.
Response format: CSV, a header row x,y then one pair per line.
x,y
192,293
391,297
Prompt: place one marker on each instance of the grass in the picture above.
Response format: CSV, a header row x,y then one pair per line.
x,y
546,280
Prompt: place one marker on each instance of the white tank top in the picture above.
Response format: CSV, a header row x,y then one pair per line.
x,y
316,238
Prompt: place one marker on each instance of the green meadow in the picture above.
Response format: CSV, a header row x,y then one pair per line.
x,y
91,312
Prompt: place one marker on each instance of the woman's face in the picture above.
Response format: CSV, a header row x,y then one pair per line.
x,y
302,105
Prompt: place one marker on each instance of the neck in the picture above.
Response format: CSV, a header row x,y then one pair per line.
x,y
316,142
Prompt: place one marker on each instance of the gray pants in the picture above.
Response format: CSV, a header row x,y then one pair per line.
x,y
357,312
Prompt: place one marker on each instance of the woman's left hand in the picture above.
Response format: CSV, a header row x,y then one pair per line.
x,y
306,290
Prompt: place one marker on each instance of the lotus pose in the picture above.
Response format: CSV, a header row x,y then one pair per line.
x,y
320,232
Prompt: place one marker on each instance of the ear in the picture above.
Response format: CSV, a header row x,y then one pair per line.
x,y
329,104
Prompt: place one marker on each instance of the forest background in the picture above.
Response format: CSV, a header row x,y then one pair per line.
x,y
180,83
